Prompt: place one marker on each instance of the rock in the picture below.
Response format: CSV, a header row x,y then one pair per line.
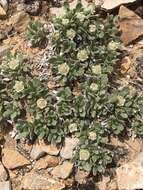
x,y
125,65
3,173
2,12
13,174
20,21
47,161
132,174
63,171
3,50
4,4
37,152
13,159
131,25
81,176
34,181
51,149
41,149
139,158
5,185
70,145
110,4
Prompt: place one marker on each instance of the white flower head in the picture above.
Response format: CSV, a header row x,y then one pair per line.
x,y
41,103
72,127
94,87
65,21
92,28
84,154
19,86
101,26
71,34
13,64
82,55
63,69
92,135
81,16
113,46
121,101
96,69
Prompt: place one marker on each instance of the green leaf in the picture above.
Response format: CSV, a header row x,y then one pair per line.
x,y
78,6
124,115
87,167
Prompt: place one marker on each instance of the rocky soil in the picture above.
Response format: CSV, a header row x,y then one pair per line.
x,y
40,166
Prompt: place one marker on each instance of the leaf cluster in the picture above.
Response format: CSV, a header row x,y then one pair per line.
x,y
86,103
37,33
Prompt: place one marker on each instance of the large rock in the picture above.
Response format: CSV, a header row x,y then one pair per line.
x,y
125,64
41,149
47,161
130,175
5,185
111,4
35,181
3,173
70,145
13,159
62,171
131,25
